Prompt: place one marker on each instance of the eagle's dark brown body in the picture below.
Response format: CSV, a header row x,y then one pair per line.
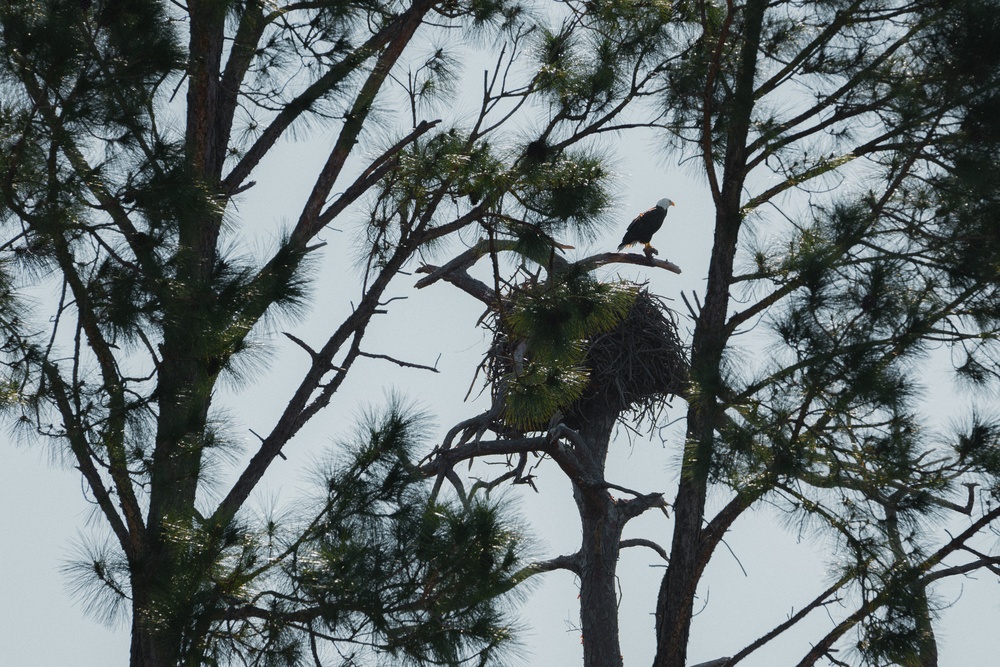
x,y
646,224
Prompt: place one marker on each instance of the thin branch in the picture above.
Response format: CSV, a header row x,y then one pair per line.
x,y
450,457
402,30
819,601
461,279
516,473
375,171
404,364
824,645
81,450
304,101
298,341
641,542
571,563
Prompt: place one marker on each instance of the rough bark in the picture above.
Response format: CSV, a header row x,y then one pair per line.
x,y
190,355
675,602
602,526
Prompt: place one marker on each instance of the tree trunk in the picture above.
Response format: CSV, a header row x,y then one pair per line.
x,y
675,602
927,650
602,523
689,556
602,530
151,645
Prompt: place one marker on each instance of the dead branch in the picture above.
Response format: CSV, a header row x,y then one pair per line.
x,y
448,458
461,279
405,364
641,542
516,474
571,563
721,662
819,601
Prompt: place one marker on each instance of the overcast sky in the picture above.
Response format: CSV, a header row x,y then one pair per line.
x,y
767,569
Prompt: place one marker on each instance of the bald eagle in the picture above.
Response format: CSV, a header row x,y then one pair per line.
x,y
641,229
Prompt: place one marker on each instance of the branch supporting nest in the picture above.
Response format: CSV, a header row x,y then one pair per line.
x,y
635,368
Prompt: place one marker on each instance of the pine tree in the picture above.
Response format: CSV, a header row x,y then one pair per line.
x,y
131,131
856,298
556,391
868,127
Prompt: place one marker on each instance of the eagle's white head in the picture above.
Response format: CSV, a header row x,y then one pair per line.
x,y
665,203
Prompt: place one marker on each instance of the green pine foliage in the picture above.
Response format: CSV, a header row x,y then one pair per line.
x,y
424,578
977,443
548,329
121,125
372,561
561,197
125,204
566,194
860,294
835,424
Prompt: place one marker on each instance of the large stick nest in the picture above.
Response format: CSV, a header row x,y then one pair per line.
x,y
637,366
634,368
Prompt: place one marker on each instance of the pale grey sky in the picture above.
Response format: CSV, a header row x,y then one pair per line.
x,y
45,511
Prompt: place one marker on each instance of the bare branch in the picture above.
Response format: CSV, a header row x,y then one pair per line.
x,y
571,563
461,279
292,110
404,364
641,542
594,261
820,600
